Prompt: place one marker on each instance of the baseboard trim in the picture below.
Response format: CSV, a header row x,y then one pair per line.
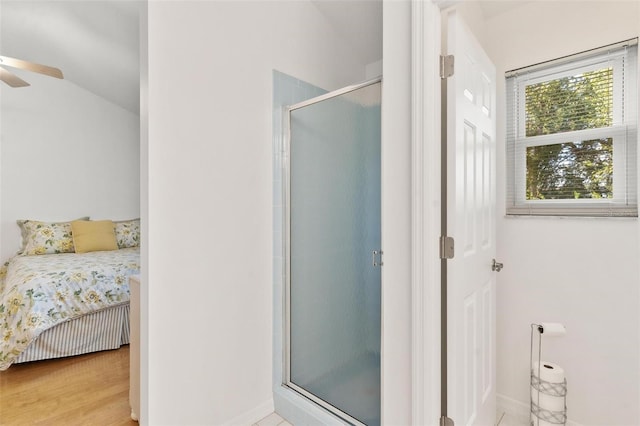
x,y
252,416
518,411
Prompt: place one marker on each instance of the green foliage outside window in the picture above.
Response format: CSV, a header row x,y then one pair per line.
x,y
574,169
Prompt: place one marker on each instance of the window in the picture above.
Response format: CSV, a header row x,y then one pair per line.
x,y
571,135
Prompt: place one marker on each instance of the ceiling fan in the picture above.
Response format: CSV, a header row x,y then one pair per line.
x,y
14,81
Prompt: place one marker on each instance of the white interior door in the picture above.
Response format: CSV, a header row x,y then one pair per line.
x,y
471,222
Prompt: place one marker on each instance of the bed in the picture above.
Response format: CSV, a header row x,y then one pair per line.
x,y
61,304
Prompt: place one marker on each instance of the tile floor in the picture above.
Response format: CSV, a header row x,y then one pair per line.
x,y
273,420
505,419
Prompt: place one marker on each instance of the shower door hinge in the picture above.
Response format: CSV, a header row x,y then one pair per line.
x,y
446,421
376,258
447,249
446,66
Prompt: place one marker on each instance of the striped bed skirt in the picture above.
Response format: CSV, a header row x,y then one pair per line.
x,y
98,331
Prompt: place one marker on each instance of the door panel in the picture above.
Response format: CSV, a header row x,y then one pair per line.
x,y
471,222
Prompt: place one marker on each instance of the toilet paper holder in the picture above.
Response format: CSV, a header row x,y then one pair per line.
x,y
540,415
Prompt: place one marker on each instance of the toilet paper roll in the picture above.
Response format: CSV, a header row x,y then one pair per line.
x,y
548,371
553,329
539,422
547,402
552,373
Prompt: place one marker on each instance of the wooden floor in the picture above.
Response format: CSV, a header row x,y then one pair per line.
x,y
88,389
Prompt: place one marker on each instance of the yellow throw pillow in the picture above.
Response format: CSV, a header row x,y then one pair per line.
x,y
98,235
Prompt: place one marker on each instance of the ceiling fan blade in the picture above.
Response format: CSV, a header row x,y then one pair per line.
x,y
31,66
12,79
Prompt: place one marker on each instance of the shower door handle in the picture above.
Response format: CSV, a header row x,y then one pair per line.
x,y
376,258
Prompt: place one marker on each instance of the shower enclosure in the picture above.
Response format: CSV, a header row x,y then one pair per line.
x,y
333,251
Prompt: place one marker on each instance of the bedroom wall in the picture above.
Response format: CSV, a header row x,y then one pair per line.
x,y
580,272
65,153
210,196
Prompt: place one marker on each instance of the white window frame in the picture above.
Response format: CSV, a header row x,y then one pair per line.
x,y
622,58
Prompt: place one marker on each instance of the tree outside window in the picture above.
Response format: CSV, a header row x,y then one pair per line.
x,y
572,135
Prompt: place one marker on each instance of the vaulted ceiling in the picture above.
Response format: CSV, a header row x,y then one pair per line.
x,y
94,43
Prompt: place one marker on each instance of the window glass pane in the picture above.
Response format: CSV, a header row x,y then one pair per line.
x,y
570,170
582,101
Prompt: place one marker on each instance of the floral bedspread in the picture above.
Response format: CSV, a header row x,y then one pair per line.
x,y
39,292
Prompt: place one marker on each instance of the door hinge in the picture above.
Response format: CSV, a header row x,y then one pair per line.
x,y
446,66
447,249
446,421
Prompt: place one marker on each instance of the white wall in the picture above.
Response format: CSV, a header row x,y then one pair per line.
x,y
396,214
65,153
472,14
581,272
210,195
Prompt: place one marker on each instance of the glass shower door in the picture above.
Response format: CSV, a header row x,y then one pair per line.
x,y
333,253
